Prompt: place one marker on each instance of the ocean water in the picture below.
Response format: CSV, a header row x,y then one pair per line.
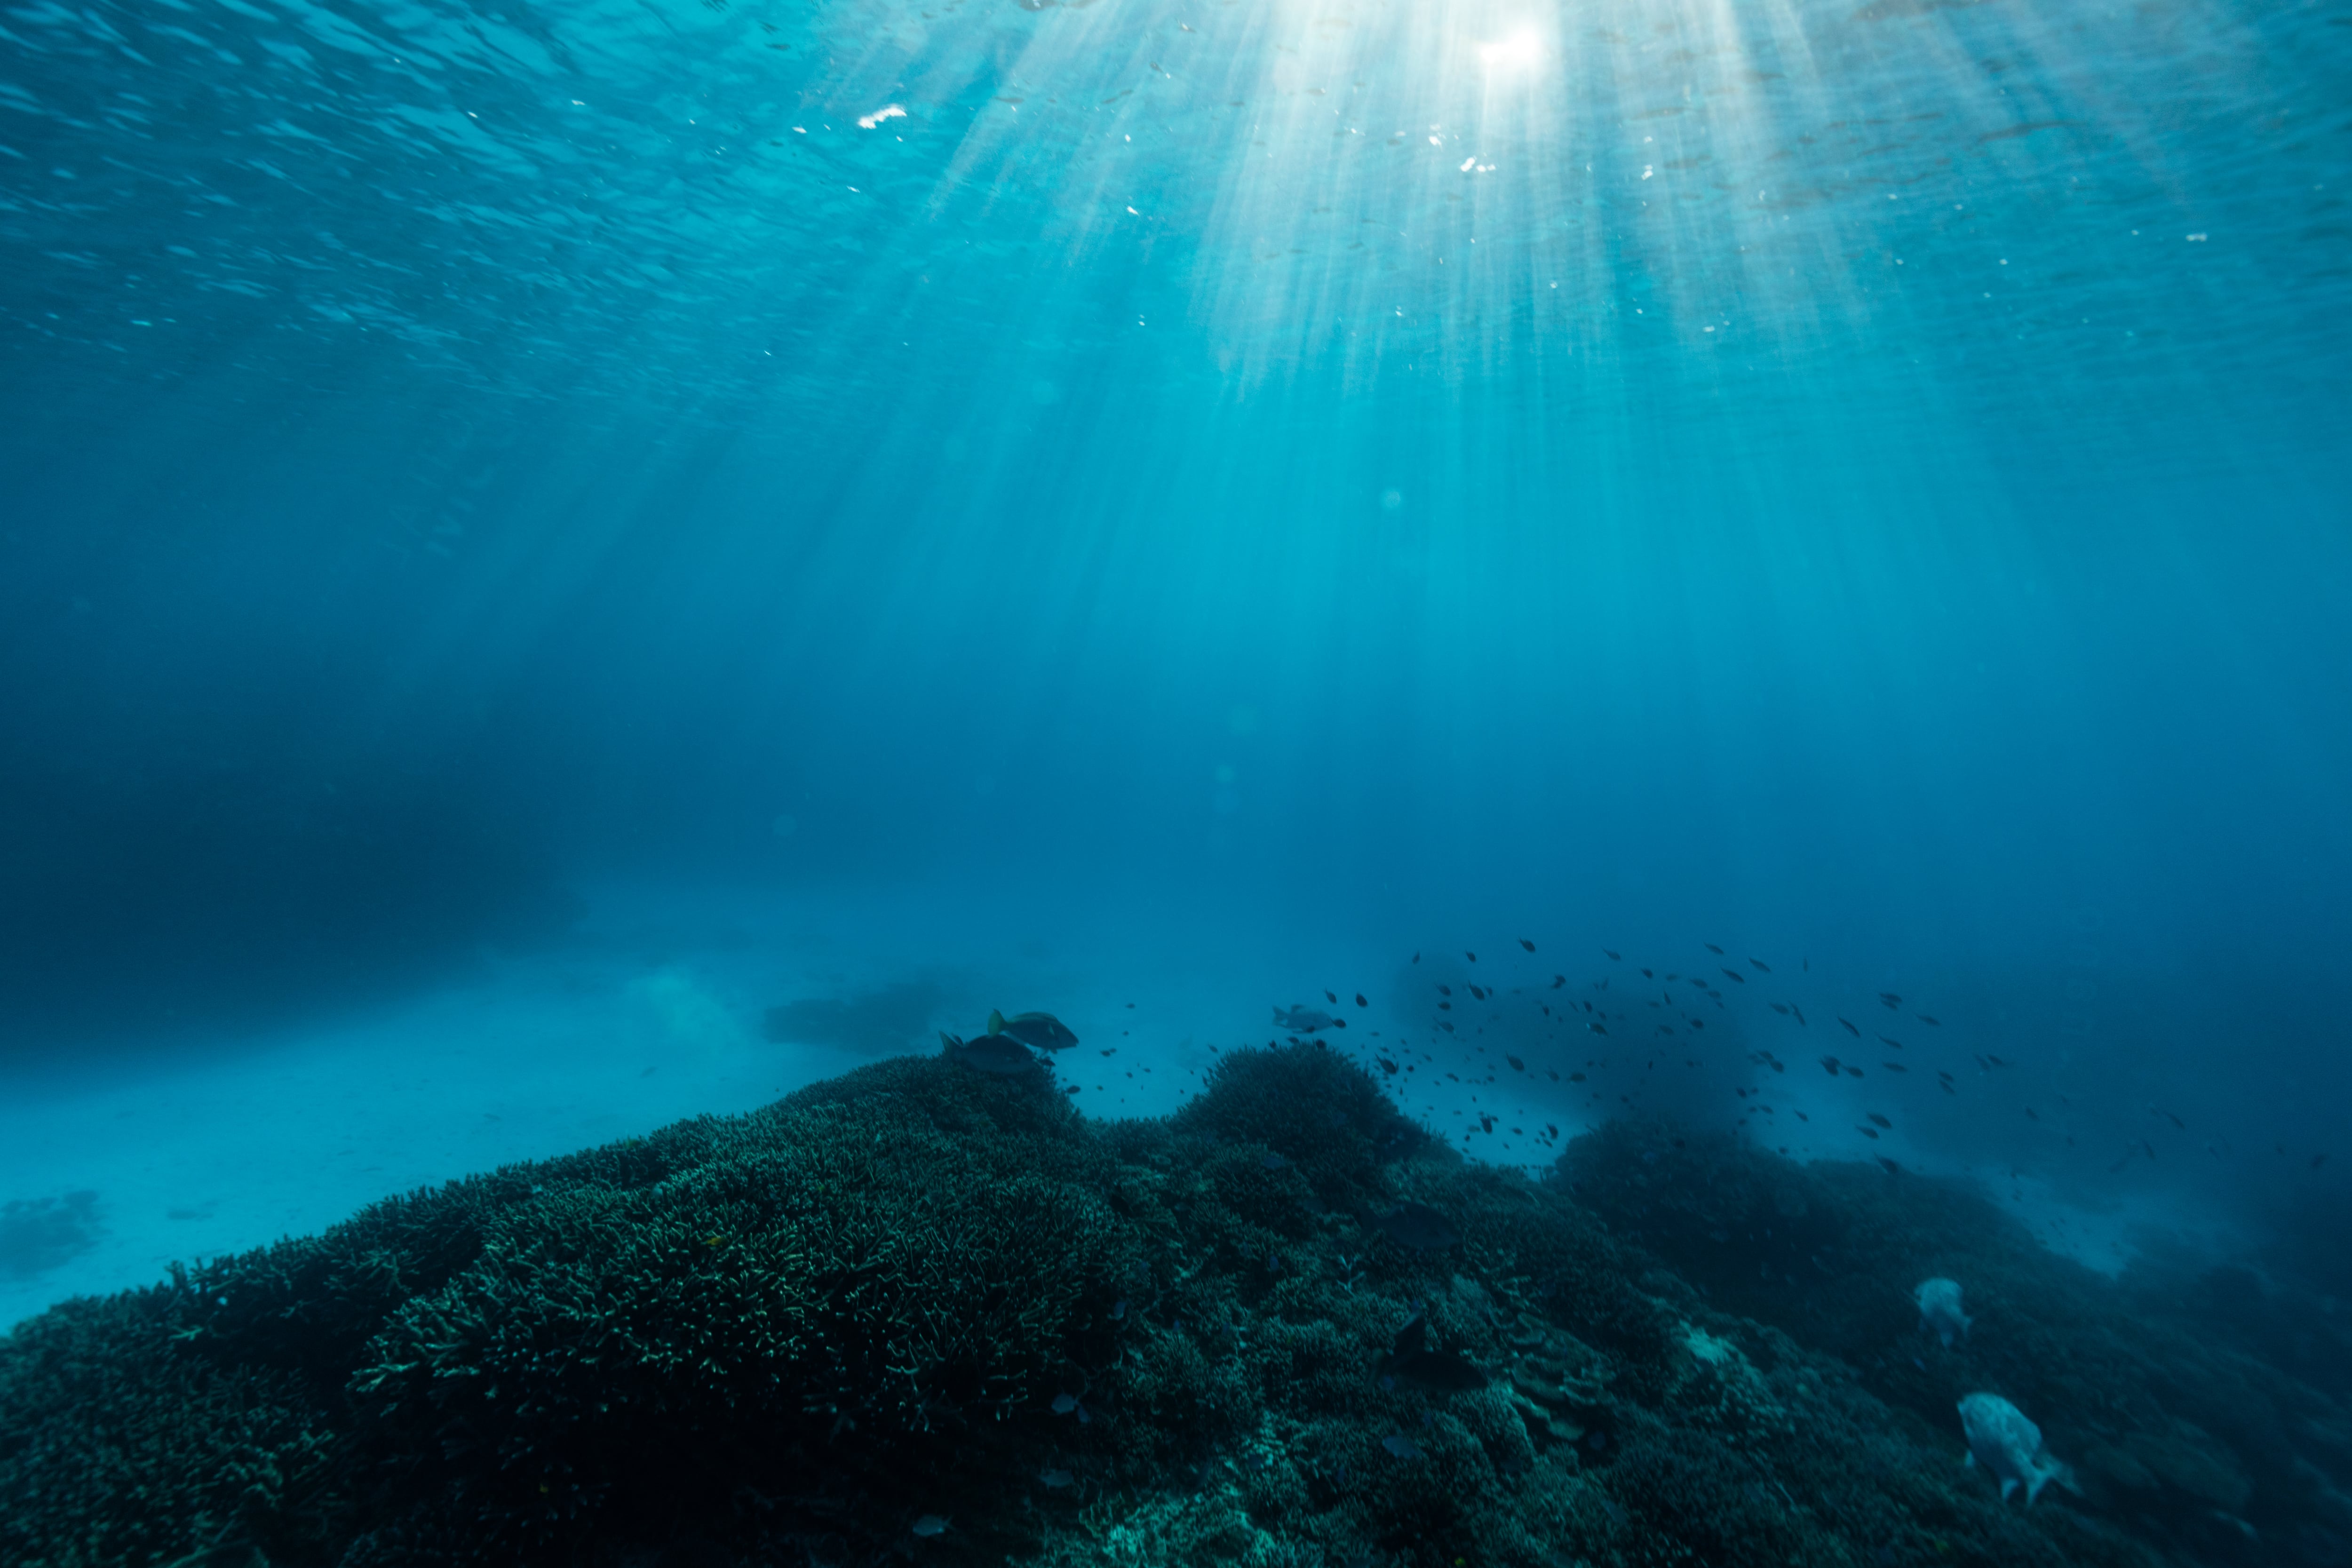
x,y
565,567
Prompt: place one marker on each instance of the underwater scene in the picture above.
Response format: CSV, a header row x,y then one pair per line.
x,y
1301,783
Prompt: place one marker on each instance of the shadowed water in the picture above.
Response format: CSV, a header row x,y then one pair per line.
x,y
568,569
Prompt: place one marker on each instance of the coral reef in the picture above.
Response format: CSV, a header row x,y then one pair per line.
x,y
2209,1443
925,1314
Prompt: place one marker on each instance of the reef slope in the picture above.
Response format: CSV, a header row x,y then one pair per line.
x,y
921,1314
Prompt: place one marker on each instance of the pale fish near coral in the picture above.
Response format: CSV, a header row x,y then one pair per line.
x,y
2007,1444
1939,1309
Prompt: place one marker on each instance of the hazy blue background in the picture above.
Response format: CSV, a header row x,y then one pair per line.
x,y
1864,483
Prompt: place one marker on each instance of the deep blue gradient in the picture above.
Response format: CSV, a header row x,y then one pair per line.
x,y
1857,485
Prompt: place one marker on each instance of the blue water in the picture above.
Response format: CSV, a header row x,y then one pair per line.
x,y
531,535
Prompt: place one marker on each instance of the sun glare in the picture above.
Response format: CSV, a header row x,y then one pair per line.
x,y
1521,51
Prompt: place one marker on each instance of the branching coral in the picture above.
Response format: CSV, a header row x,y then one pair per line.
x,y
921,1314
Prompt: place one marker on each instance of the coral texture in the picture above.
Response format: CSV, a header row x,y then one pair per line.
x,y
921,1313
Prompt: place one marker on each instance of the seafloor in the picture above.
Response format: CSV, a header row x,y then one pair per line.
x,y
922,1314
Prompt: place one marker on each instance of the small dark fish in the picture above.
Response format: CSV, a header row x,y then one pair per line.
x,y
1762,964
1997,1061
1055,1480
1402,1446
1893,1067
2031,1114
1416,958
1446,990
1418,1227
2318,1160
1782,1008
1328,996
1274,1162
1878,1121
1576,1078
1474,991
1736,975
1931,1023
1832,1065
1386,1065
1596,1028
1359,1000
1888,999
1470,955
1892,1168
2169,1117
1554,1131
1516,1065
2149,1147
1526,943
1557,980
1885,1041
928,1525
1850,1028
1118,1311
1851,1070
1714,950
1613,957
1647,975
1065,1402
1800,1011
1871,1133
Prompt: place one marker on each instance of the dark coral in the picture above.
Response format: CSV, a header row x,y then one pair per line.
x,y
2214,1452
917,1291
